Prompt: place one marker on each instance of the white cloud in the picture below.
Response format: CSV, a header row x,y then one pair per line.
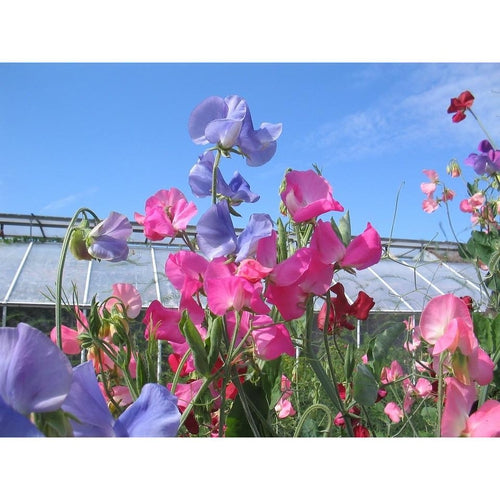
x,y
411,109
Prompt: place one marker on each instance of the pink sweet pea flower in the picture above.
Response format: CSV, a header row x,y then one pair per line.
x,y
226,291
307,195
167,213
163,322
430,205
126,294
446,324
69,336
445,321
457,420
364,250
392,373
394,412
472,204
293,279
271,340
284,407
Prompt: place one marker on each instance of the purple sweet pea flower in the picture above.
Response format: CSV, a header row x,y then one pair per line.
x,y
217,121
35,377
487,162
259,226
217,237
153,414
108,240
227,123
200,180
259,145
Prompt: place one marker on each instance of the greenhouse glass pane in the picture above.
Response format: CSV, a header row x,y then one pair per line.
x,y
136,270
12,256
447,281
385,299
39,274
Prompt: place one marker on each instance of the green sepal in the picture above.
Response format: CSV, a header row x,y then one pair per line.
x,y
196,344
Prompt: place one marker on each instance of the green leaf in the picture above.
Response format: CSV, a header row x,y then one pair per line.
x,y
483,330
196,344
365,387
384,341
345,228
214,339
237,424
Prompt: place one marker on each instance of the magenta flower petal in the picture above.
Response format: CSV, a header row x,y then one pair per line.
x,y
307,195
364,250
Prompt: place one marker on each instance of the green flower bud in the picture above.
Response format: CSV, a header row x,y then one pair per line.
x,y
77,242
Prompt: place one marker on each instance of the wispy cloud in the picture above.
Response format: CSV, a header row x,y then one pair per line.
x,y
409,109
68,200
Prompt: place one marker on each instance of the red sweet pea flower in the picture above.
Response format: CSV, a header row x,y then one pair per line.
x,y
459,104
340,310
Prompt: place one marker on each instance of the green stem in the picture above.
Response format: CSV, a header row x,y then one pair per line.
x,y
440,394
312,408
482,128
214,176
60,270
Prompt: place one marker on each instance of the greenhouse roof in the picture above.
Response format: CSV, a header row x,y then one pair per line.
x,y
409,274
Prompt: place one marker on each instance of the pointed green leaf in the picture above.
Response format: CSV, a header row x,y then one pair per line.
x,y
365,387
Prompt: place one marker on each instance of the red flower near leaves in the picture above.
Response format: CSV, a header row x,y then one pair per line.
x,y
340,310
459,104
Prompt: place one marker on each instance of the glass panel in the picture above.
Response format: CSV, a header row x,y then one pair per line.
x,y
137,271
12,255
447,281
39,274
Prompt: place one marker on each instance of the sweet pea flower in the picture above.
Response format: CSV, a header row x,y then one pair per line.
x,y
271,339
392,373
363,251
457,419
294,279
125,296
472,204
340,310
200,181
227,291
35,377
153,414
459,105
307,194
487,161
217,237
227,123
106,241
284,406
446,324
218,121
167,213
394,412
69,336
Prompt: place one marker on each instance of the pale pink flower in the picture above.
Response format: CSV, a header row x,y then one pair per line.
x,y
284,406
473,203
457,420
430,205
69,336
128,296
392,373
394,412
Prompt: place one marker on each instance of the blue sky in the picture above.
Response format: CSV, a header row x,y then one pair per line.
x,y
108,135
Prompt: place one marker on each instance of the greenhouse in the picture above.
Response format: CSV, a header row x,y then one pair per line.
x,y
409,274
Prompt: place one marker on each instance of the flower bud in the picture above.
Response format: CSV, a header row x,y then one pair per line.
x,y
77,243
